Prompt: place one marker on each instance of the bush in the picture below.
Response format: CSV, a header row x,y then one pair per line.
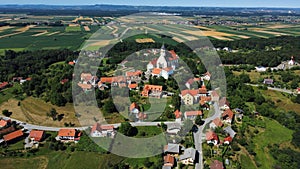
x,y
6,113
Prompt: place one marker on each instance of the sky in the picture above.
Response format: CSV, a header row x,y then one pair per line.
x,y
212,3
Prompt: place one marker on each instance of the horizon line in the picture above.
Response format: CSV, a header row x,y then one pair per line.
x,y
154,6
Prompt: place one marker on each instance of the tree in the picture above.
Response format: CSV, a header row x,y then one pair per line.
x,y
109,106
52,113
199,120
6,113
127,129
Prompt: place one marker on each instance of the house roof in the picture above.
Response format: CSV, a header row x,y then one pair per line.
x,y
169,160
204,99
217,121
99,127
106,79
36,134
85,86
223,101
172,148
71,63
203,90
133,85
210,135
216,165
177,114
153,87
133,105
191,92
230,131
173,54
136,73
156,71
3,123
229,139
188,153
4,84
67,132
63,81
168,69
193,113
228,113
86,76
13,135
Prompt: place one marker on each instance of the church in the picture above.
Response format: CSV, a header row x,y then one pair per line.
x,y
164,65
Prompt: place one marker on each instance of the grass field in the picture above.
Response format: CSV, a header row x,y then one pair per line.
x,y
281,100
44,37
34,111
274,133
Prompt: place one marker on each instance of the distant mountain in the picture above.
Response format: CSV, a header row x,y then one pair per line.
x,y
122,9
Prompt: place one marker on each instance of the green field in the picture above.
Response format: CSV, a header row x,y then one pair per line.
x,y
274,133
45,37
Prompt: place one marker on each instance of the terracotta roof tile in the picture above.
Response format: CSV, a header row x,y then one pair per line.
x,y
13,135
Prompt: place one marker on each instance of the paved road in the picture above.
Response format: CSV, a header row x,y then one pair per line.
x,y
46,128
200,134
274,88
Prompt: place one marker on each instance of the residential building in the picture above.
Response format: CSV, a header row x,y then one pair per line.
x,y
178,115
214,96
190,97
268,81
4,123
37,135
99,130
172,148
212,137
152,91
192,114
188,156
224,104
12,136
227,140
169,160
4,85
66,134
217,122
227,116
230,131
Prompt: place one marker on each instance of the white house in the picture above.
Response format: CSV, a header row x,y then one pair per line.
x,y
102,130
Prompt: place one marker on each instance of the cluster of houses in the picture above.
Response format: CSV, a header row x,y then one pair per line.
x,y
32,138
136,114
174,153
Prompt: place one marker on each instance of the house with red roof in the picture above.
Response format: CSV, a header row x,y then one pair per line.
x,y
13,136
37,135
178,115
190,97
133,86
4,85
217,122
134,75
169,160
227,140
152,91
212,137
298,90
67,135
192,114
4,123
99,130
227,116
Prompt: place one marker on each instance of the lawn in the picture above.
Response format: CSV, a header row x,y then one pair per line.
x,y
73,29
246,163
148,131
274,133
